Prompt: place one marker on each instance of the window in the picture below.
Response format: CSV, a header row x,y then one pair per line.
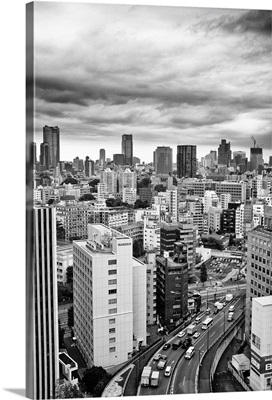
x,y
112,291
112,262
112,301
112,310
112,281
112,330
112,340
112,321
112,272
112,349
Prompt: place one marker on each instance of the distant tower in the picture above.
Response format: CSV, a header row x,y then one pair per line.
x,y
256,158
44,155
102,157
163,160
186,161
224,153
34,148
42,340
51,135
127,148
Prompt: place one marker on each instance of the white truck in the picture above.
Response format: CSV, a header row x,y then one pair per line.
x,y
191,329
145,378
218,305
229,297
155,378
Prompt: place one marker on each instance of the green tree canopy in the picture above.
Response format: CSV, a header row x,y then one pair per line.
x,y
67,391
86,197
94,376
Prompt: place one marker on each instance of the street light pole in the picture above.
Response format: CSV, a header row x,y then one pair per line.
x,y
208,338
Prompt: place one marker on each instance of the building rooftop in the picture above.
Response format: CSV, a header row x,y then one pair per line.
x,y
67,360
263,301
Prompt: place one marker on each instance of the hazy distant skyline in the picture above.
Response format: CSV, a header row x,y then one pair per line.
x,y
167,75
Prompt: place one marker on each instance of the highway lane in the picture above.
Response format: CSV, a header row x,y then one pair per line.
x,y
185,374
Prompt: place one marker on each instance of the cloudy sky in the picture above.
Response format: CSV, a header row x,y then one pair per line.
x,y
168,76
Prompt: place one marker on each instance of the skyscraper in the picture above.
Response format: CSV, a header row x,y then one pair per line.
x,y
256,158
163,160
42,342
186,161
224,153
127,148
102,157
51,135
44,155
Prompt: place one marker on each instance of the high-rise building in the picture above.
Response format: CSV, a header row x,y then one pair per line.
x,y
78,164
119,159
261,344
42,340
127,148
225,199
34,149
163,160
215,218
109,177
74,219
186,161
224,153
256,158
169,235
44,155
210,200
51,135
259,269
127,179
102,157
109,297
89,167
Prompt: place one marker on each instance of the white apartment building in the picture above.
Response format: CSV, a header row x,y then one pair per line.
x,y
225,199
127,179
102,191
109,177
151,315
214,218
64,260
236,189
152,233
210,200
261,344
109,297
239,221
129,195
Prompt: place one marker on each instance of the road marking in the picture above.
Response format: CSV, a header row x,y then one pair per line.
x,y
212,334
183,380
201,346
189,362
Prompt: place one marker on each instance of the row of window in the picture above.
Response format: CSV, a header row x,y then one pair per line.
x,y
258,294
261,269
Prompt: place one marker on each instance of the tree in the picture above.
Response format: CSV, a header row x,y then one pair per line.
x,y
60,230
86,197
137,248
68,391
64,292
160,188
68,180
69,275
92,376
70,317
203,273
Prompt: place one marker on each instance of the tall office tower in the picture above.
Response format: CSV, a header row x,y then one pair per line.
x,y
51,135
224,153
88,167
172,286
210,159
238,156
261,344
78,164
74,218
109,297
259,269
119,159
256,158
109,177
127,179
42,340
102,157
188,233
163,160
210,200
169,235
186,161
127,148
44,156
225,199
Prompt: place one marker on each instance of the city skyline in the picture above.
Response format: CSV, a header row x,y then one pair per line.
x,y
168,76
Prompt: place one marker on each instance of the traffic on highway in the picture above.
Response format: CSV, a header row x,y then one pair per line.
x,y
177,361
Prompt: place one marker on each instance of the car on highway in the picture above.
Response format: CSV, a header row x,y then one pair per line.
x,y
196,335
181,334
168,370
166,346
232,308
208,311
161,364
157,357
163,357
197,320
